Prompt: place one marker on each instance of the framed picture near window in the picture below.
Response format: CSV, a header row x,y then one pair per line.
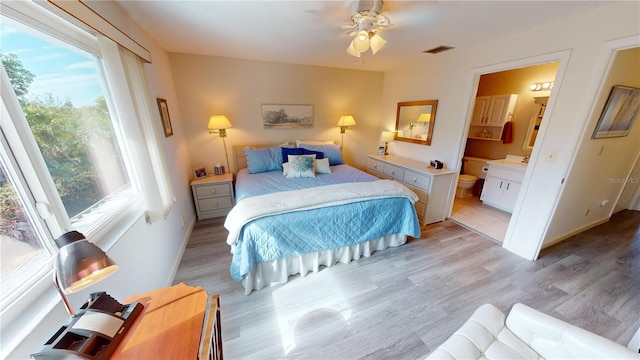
x,y
164,116
199,173
620,112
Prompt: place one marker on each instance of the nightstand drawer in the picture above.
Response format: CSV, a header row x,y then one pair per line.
x,y
213,190
215,203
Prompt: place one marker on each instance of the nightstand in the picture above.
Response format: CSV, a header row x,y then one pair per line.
x,y
213,195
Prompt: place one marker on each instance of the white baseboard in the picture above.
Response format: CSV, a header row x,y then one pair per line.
x,y
574,232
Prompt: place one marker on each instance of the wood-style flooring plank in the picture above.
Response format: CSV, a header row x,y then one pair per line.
x,y
403,302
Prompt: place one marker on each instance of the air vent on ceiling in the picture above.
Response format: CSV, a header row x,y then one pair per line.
x,y
438,49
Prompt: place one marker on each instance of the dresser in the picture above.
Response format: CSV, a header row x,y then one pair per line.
x,y
435,187
213,195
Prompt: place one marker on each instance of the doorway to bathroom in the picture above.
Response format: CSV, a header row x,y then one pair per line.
x,y
508,111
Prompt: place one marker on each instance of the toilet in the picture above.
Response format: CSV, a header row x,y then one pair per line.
x,y
474,168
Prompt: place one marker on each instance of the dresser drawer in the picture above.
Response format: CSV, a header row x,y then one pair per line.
x,y
394,171
375,165
213,190
419,205
215,203
422,193
416,179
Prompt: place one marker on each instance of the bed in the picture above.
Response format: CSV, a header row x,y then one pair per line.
x,y
290,220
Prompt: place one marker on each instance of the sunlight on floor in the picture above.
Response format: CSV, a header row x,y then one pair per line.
x,y
299,321
472,213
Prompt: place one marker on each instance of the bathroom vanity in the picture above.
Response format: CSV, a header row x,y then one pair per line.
x,y
434,187
503,182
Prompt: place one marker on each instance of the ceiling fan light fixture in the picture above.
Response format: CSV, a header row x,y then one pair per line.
x,y
377,43
361,41
352,50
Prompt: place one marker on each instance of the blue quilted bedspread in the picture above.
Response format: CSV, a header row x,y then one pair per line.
x,y
308,231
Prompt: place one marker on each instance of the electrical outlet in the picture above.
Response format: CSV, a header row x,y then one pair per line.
x,y
182,220
550,156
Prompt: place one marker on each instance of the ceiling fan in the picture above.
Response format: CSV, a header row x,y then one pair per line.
x,y
365,25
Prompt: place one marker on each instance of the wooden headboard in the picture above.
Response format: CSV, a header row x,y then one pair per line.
x,y
238,154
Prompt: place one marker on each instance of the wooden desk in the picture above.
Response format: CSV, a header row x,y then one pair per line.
x,y
177,322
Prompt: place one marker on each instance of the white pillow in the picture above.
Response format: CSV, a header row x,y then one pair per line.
x,y
314,142
322,166
301,166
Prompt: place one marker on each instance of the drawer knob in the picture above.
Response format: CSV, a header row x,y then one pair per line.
x,y
215,204
415,179
393,172
213,191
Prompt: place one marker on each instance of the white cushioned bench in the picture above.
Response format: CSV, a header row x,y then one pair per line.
x,y
525,334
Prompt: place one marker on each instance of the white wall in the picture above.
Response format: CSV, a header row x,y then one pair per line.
x,y
451,77
208,85
602,167
148,255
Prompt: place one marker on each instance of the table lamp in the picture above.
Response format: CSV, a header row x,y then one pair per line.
x,y
79,264
102,322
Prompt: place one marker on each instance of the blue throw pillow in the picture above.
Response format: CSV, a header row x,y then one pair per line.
x,y
300,151
332,152
263,159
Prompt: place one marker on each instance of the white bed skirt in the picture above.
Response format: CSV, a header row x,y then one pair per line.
x,y
278,271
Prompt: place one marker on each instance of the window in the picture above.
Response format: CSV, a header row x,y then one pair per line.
x,y
65,156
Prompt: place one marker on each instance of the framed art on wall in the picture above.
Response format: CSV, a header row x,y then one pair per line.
x,y
287,116
620,112
164,116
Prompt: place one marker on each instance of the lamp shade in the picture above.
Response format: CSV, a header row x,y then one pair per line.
x,y
80,263
361,41
352,50
346,120
217,122
377,43
387,136
425,118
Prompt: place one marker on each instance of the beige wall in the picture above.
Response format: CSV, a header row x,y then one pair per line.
x,y
237,88
515,81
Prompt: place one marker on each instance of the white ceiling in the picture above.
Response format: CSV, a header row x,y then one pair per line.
x,y
309,31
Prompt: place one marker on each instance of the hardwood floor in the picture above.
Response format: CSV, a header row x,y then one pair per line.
x,y
403,302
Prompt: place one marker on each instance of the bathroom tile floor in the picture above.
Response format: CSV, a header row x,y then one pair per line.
x,y
473,214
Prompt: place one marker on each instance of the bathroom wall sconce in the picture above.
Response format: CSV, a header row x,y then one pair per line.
x,y
541,86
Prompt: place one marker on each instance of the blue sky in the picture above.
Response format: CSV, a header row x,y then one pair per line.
x,y
66,74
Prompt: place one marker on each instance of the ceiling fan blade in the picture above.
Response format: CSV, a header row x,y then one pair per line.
x,y
346,26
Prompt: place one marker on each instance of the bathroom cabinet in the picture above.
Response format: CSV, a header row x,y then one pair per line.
x,y
501,188
490,113
434,187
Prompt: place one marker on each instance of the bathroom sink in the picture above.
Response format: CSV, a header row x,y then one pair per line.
x,y
511,162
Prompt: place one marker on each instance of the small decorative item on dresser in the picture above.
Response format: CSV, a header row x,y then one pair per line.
x,y
219,169
199,173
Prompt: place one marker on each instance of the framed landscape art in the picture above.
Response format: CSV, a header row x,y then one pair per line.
x,y
287,116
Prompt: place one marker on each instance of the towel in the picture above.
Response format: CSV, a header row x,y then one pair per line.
x,y
507,133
